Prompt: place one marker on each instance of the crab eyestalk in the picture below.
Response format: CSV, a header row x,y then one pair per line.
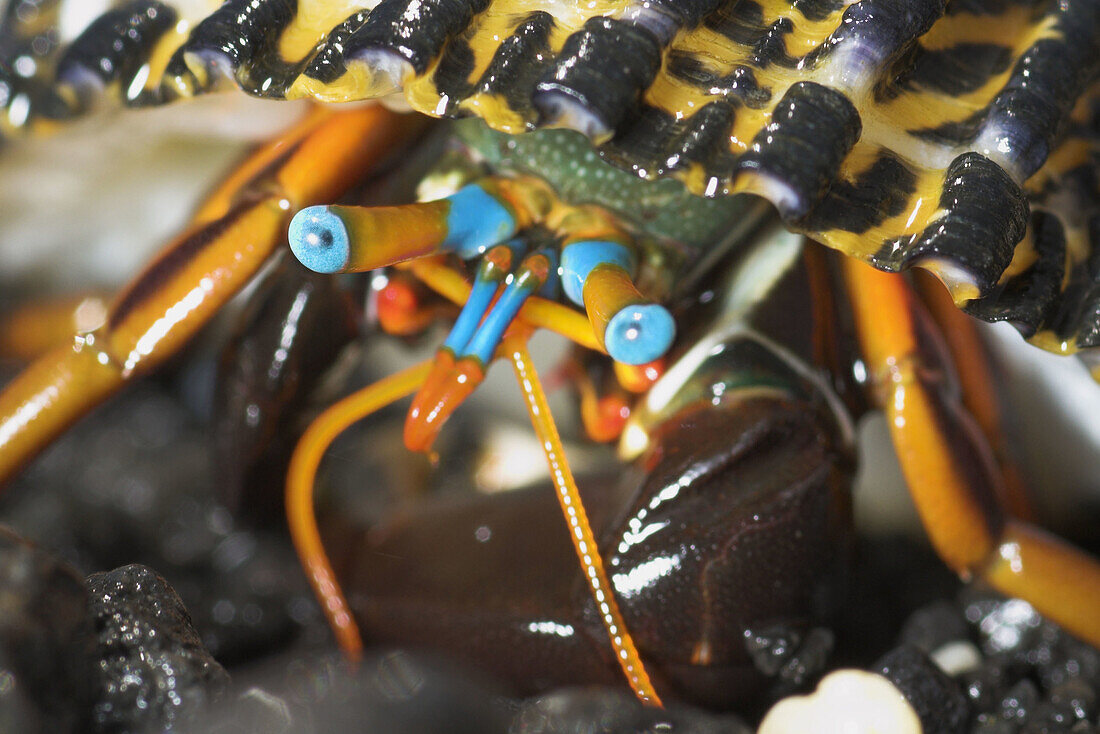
x,y
354,239
596,274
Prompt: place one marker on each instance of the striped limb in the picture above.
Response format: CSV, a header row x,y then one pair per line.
x,y
952,475
233,234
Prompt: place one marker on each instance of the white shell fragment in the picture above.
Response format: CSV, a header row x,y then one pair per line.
x,y
845,702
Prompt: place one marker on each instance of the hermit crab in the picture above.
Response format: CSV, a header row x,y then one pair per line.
x,y
956,137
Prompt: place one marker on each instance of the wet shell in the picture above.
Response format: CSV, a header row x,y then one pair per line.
x,y
960,138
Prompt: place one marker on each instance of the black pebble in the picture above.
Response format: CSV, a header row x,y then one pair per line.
x,y
933,626
154,671
937,699
577,711
45,641
1020,701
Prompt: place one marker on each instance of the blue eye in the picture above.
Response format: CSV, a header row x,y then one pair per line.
x,y
639,334
319,239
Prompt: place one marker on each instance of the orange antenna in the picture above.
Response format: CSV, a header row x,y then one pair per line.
x,y
299,494
580,532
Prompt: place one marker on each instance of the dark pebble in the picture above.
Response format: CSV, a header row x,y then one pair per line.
x,y
938,700
1076,694
933,626
1070,659
154,671
392,692
610,711
994,726
770,648
1020,701
1051,717
986,686
46,640
810,658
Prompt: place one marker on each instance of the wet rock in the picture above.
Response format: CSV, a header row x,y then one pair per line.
x,y
45,641
611,711
933,626
133,484
1019,702
253,599
772,647
809,659
1041,679
1003,624
1077,695
392,692
986,685
153,669
935,697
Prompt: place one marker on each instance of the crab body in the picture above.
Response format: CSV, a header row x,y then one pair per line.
x,y
959,138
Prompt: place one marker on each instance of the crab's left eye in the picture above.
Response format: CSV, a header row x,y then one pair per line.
x,y
319,239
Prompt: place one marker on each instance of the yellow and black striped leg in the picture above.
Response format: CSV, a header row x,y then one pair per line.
x,y
234,234
948,465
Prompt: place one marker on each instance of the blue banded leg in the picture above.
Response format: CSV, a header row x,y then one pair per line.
x,y
459,370
597,275
343,239
534,273
491,273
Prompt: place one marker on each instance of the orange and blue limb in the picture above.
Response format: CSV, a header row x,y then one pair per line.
x,y
462,362
538,312
953,478
445,388
596,275
492,272
355,239
596,266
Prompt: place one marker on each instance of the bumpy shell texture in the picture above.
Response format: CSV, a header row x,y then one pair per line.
x,y
960,137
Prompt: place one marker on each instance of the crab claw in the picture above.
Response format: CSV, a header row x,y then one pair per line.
x,y
447,387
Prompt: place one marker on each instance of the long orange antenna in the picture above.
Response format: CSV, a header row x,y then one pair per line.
x,y
299,494
584,541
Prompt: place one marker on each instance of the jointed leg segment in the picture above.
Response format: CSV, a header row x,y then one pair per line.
x,y
234,234
951,473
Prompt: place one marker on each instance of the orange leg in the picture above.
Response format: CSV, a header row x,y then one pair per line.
x,y
603,416
949,467
976,377
35,328
234,234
